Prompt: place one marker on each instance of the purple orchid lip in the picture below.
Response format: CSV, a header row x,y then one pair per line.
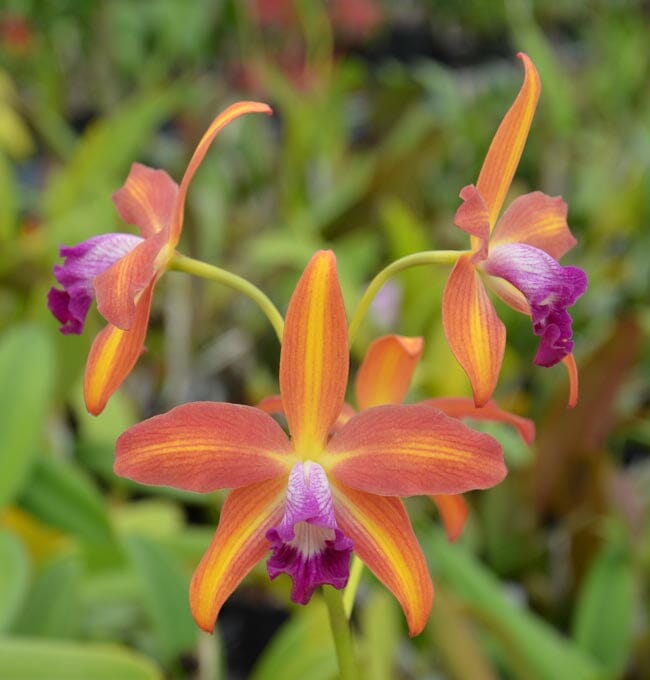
x,y
83,263
307,544
549,288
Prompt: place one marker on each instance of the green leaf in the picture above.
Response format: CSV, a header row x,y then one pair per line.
x,y
302,650
605,609
381,625
32,659
533,649
14,577
52,607
60,495
164,588
25,383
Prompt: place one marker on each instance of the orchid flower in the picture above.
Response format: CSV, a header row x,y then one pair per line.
x,y
515,256
315,497
384,377
121,270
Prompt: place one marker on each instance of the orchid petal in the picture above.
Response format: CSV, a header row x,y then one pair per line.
x,y
386,371
314,357
473,218
412,450
507,145
384,540
537,220
113,355
227,116
204,446
474,332
119,287
238,545
147,199
453,512
572,371
461,407
549,289
273,405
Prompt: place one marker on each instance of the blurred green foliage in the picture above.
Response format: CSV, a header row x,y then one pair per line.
x,y
383,113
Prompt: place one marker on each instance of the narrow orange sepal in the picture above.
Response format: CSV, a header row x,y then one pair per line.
x,y
474,332
386,371
508,143
314,357
113,354
238,545
231,113
385,542
572,371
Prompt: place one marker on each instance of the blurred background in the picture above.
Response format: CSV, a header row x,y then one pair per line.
x,y
383,112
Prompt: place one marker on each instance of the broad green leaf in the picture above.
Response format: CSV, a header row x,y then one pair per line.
x,y
534,649
60,495
604,615
25,383
14,577
302,649
51,608
33,659
164,588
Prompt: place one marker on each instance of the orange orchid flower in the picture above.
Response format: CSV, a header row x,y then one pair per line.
x,y
121,270
515,256
384,377
313,498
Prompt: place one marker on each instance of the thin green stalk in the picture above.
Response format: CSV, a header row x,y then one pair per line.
x,y
414,260
341,633
350,592
188,265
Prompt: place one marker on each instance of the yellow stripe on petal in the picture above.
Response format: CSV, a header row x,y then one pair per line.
x,y
508,143
314,358
385,374
474,332
230,114
384,540
113,355
238,545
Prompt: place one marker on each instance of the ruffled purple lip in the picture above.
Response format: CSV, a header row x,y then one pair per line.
x,y
549,289
83,263
307,544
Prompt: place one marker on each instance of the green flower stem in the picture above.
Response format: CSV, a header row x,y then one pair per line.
x,y
414,260
341,633
188,265
350,592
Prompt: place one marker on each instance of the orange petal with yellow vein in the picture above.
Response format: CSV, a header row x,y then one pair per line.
x,y
538,220
113,355
238,545
474,332
314,357
462,407
410,451
453,512
384,540
120,286
386,371
508,143
231,113
147,199
204,446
